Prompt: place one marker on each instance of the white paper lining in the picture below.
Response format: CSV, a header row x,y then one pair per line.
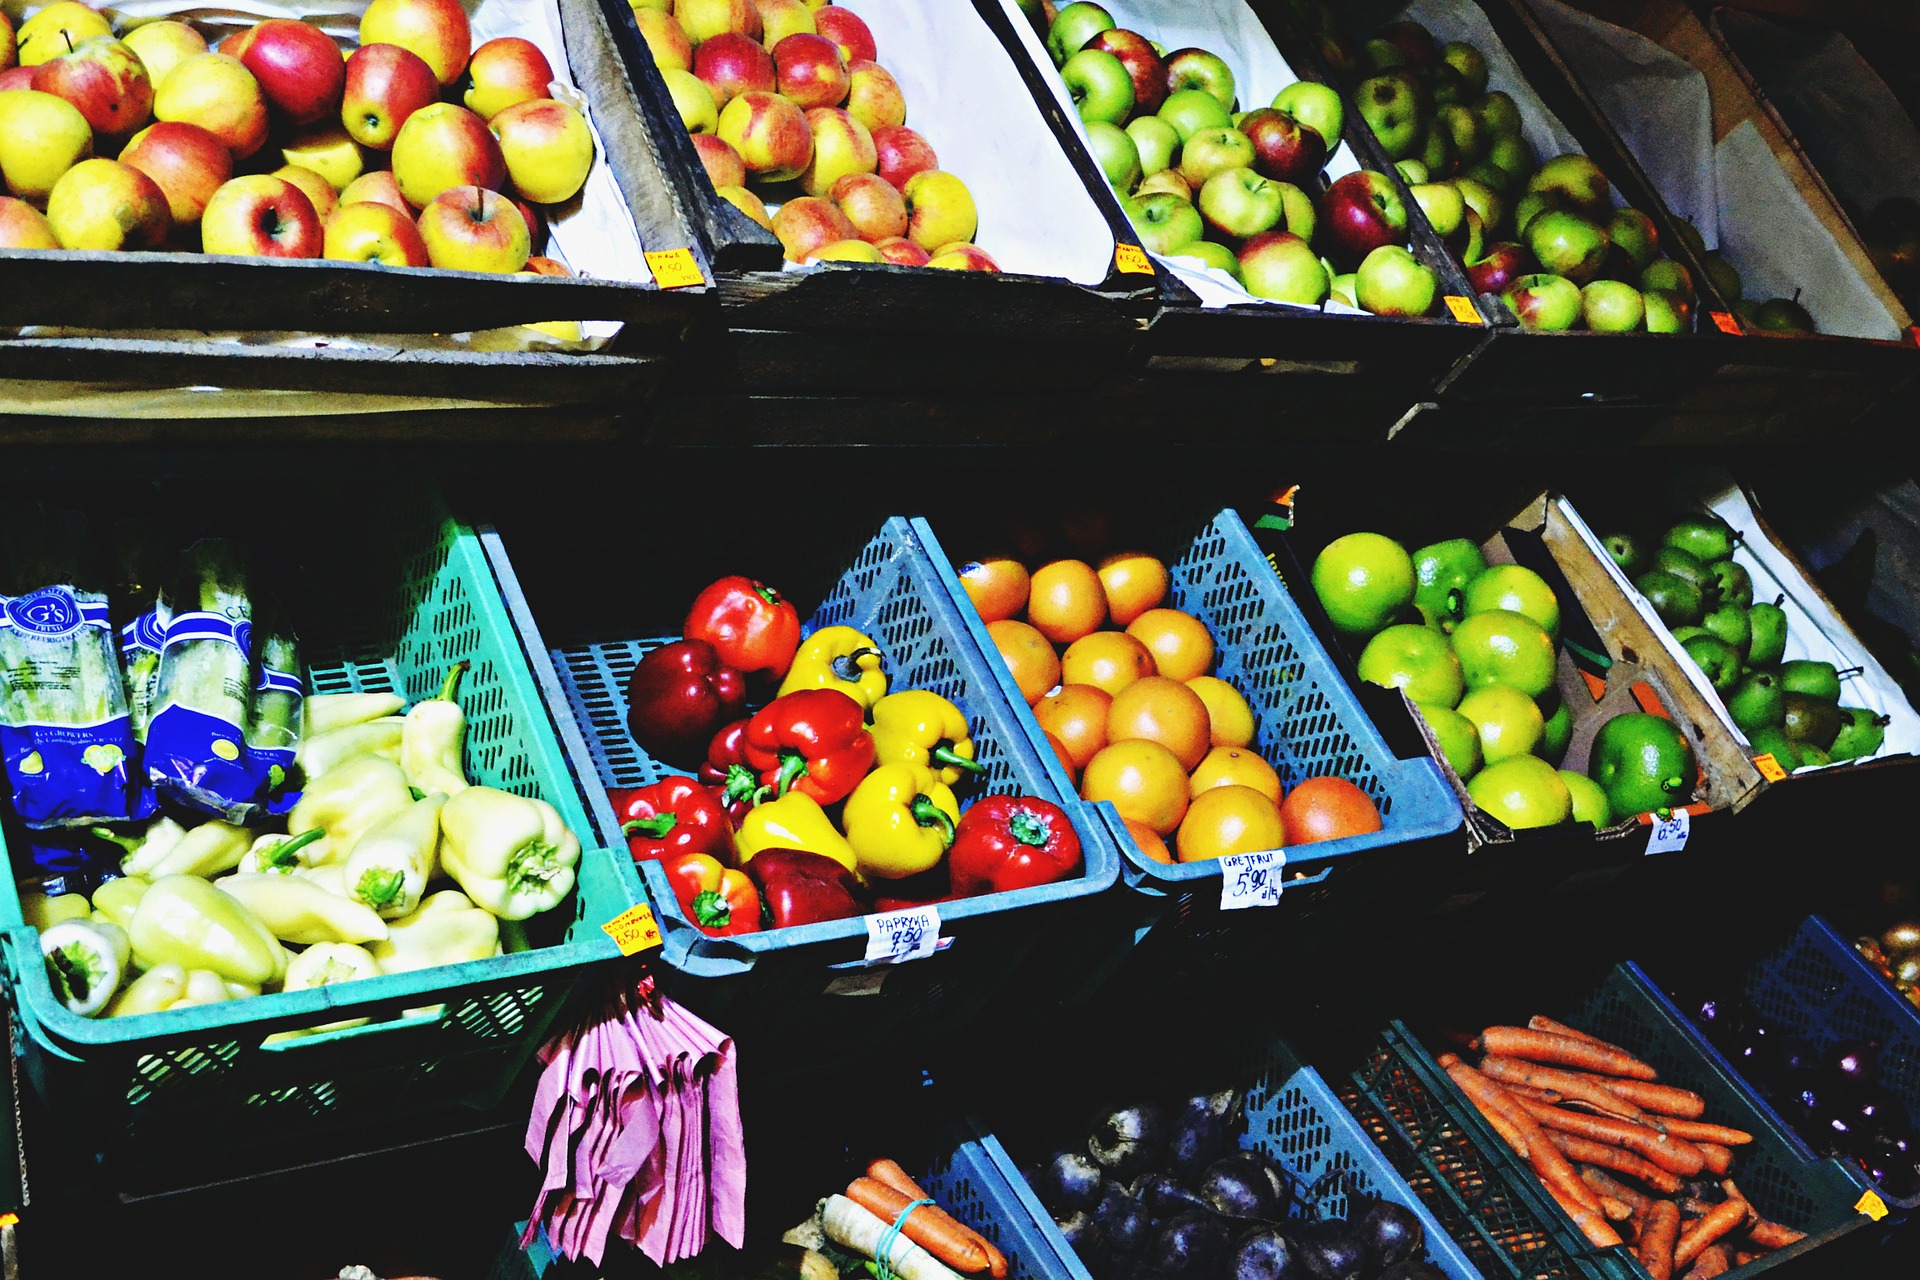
x,y
1229,29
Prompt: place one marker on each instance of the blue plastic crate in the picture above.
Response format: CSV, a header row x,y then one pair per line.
x,y
1293,1117
809,979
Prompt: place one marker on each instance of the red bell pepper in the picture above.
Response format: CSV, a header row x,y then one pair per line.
x,y
721,902
813,741
674,816
678,695
797,887
753,626
1012,842
727,771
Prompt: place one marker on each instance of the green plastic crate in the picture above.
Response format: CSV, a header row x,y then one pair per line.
x,y
389,608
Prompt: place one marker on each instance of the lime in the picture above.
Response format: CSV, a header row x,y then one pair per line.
x,y
1458,738
1518,589
1417,659
1441,569
1503,647
1363,579
1590,803
1507,720
1522,792
1642,763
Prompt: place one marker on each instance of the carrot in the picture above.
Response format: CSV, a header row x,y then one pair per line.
x,y
1592,1224
1528,1091
1611,1157
1605,1184
1570,1085
1670,1154
1613,1210
1715,1133
1548,1025
1661,1099
1718,1158
1742,1257
1554,1170
927,1226
889,1173
1564,1051
1714,1262
1721,1220
1655,1249
1479,1092
1771,1235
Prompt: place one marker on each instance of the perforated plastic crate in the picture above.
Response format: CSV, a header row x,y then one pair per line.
x,y
811,979
391,608
1414,1110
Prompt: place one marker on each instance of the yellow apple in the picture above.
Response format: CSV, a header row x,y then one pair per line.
x,y
24,227
436,30
103,204
472,229
41,137
668,44
314,187
444,146
162,46
748,203
326,149
846,251
221,96
704,19
57,29
782,18
841,145
962,257
506,72
940,210
9,58
377,187
548,148
370,232
185,161
693,100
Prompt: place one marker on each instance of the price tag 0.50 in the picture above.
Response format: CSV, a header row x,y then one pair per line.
x,y
1669,834
1251,879
897,936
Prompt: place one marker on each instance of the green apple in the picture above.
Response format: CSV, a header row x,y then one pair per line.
x,y
1316,106
1470,238
1164,222
1668,275
1609,306
1391,109
1500,116
1567,244
1436,150
1191,110
1463,129
1168,181
1441,572
1212,151
1576,180
1116,155
1281,267
1509,722
1784,316
1342,287
1442,203
1392,282
1239,203
1690,236
1417,659
1209,254
1073,26
1197,69
1467,63
1411,172
1633,233
1492,177
1100,86
1297,212
1155,141
1666,312
1544,302
1531,206
1458,738
1511,155
1483,200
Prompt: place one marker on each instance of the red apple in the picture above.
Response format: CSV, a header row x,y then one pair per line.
x,y
506,71
873,95
1136,54
377,187
443,146
24,227
723,164
312,186
532,214
1362,212
807,223
548,267
259,215
1283,148
901,153
810,70
902,252
369,232
437,30
298,66
471,229
841,145
873,205
732,65
17,78
384,85
770,133
106,80
962,256
186,162
847,29
1502,264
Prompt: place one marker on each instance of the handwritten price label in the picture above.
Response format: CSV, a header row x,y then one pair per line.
x,y
634,930
1131,260
1669,834
1462,309
1251,879
675,269
1769,768
894,937
1872,1205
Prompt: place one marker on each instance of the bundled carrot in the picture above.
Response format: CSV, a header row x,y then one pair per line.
x,y
888,1175
1657,1238
1564,1051
927,1225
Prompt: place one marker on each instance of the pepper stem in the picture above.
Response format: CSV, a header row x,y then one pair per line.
x,y
847,665
928,814
710,910
655,828
944,754
378,888
280,855
449,691
793,766
1029,828
767,593
741,783
127,843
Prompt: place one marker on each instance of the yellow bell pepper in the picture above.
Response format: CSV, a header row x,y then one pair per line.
x,y
447,928
184,920
921,728
42,912
900,821
116,900
838,658
295,909
794,821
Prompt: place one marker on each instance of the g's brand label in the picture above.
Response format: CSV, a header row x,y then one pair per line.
x,y
1462,309
634,930
1131,260
675,269
51,613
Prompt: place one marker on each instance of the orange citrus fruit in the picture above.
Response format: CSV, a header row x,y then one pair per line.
x,y
1027,655
1142,780
1229,718
997,586
1076,714
1066,760
1163,711
1328,809
1064,600
1236,767
1179,642
1150,842
1134,582
1109,660
1224,820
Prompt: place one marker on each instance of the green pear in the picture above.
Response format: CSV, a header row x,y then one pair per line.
x,y
1774,742
1705,537
1733,584
1814,679
1769,622
1676,600
1809,719
1862,733
1731,624
1718,659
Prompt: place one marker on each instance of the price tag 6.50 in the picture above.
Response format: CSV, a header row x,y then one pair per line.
x,y
634,930
897,936
1251,879
1669,834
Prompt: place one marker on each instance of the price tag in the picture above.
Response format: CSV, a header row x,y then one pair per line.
x,y
675,269
1131,260
1669,834
1251,879
1872,1205
1769,768
1725,323
633,930
894,937
1462,309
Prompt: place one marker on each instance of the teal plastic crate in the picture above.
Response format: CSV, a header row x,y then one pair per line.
x,y
809,981
390,609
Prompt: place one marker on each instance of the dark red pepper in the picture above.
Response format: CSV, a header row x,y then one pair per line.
x,y
674,816
753,626
678,695
726,770
721,903
1012,842
813,741
797,887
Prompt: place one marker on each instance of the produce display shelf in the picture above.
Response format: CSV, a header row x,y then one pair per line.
x,y
386,608
811,977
